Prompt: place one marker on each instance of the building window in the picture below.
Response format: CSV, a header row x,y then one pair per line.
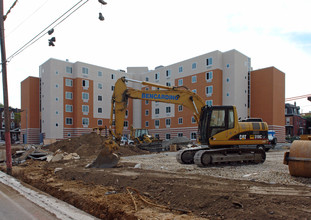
x,y
85,96
85,109
194,65
126,124
68,95
193,136
56,72
209,76
99,98
209,102
157,76
228,65
68,69
209,61
168,109
99,122
69,135
194,79
167,136
12,125
12,115
193,121
227,93
85,83
228,79
156,123
168,84
100,110
56,112
85,70
157,111
69,82
209,90
180,108
100,85
126,113
56,85
180,82
146,102
112,76
99,73
69,121
194,91
147,123
180,69
69,108
168,122
180,134
146,112
147,79
112,88
56,99
180,120
168,73
85,122
56,124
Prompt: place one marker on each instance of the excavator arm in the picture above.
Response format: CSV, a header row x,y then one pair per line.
x,y
167,94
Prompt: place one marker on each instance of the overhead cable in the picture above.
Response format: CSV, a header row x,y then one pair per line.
x,y
43,32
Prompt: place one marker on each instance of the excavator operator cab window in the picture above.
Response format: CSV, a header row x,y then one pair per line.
x,y
217,121
231,119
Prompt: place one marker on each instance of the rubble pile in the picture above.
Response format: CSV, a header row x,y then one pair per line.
x,y
90,145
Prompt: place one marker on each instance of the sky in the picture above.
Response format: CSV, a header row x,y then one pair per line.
x,y
163,32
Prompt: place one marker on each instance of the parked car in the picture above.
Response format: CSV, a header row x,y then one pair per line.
x,y
126,141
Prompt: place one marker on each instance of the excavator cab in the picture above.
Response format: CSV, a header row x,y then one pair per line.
x,y
213,120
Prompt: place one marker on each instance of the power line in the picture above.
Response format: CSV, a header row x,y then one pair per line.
x,y
43,32
8,12
14,29
297,97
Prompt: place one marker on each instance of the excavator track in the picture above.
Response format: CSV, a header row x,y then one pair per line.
x,y
207,156
204,158
187,156
152,147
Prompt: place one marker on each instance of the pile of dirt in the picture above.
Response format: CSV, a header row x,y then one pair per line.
x,y
104,193
91,144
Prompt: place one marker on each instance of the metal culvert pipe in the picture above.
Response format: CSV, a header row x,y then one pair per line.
x,y
298,158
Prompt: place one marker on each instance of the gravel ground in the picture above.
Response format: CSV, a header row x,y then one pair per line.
x,y
272,171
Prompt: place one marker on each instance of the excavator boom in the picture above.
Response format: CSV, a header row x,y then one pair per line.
x,y
167,94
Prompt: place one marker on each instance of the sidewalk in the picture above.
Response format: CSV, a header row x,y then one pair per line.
x,y
17,201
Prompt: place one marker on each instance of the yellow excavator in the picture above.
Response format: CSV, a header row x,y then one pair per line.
x,y
144,140
221,135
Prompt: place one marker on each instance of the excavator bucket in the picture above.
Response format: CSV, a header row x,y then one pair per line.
x,y
106,158
298,158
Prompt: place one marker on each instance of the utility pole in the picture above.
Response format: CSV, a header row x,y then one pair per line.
x,y
5,95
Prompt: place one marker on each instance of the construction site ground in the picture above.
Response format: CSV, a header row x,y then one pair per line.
x,y
156,186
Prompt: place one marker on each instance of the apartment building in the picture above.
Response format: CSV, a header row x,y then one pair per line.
x,y
75,97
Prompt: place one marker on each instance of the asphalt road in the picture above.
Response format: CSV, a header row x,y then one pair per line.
x,y
15,206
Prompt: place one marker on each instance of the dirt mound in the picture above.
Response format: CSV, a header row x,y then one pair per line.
x,y
91,144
